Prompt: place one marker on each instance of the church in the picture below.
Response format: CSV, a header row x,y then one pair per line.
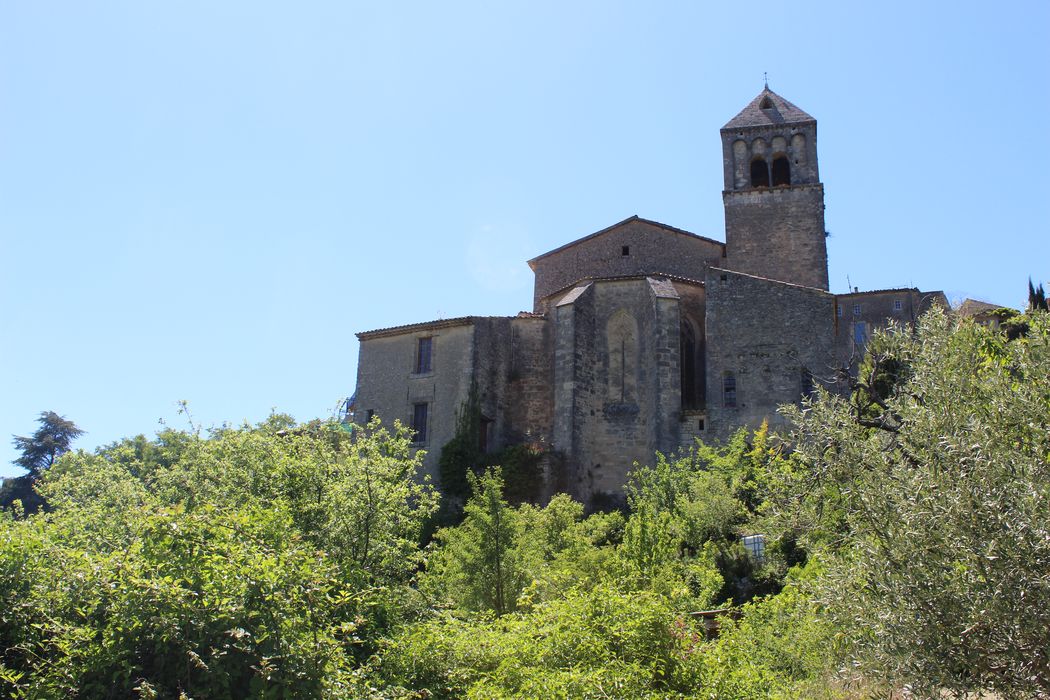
x,y
644,337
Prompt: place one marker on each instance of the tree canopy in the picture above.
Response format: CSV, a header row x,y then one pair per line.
x,y
51,440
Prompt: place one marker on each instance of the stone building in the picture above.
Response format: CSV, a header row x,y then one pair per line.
x,y
644,337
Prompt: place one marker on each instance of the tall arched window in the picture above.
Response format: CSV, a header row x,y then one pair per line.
x,y
759,173
781,171
692,364
621,338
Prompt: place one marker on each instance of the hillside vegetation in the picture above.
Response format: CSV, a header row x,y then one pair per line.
x,y
906,529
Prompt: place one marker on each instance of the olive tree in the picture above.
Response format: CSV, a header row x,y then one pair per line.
x,y
937,469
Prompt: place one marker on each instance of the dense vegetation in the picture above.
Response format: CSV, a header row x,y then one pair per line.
x,y
907,544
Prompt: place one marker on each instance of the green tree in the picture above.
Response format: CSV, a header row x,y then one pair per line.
x,y
39,452
1036,297
249,563
51,440
940,488
480,563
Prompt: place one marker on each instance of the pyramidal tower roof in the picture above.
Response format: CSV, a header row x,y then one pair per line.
x,y
767,109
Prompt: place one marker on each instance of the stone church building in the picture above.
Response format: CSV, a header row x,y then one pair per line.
x,y
642,336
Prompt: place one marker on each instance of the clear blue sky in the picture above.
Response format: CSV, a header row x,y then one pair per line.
x,y
206,200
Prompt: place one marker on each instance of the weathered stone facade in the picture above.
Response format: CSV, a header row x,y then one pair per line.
x,y
644,337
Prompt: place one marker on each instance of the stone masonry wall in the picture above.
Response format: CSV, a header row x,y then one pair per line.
x,y
388,385
652,249
515,379
766,333
778,233
617,377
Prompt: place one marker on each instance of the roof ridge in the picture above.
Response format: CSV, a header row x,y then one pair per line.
x,y
628,220
766,109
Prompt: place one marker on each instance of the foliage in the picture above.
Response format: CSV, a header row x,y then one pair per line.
x,y
941,493
462,458
780,647
461,455
591,643
39,451
51,440
1036,297
480,563
701,503
251,563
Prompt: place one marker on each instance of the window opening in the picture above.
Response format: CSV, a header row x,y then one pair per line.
x,y
759,173
781,171
625,250
688,363
755,545
729,390
839,310
807,385
369,416
423,355
860,334
484,435
700,424
419,422
897,305
856,309
621,338
766,103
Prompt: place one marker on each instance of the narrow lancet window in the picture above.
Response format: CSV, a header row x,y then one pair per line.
x,y
729,390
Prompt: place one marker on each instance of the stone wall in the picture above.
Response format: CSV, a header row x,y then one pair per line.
x,y
652,249
766,334
512,358
778,233
388,385
617,381
874,311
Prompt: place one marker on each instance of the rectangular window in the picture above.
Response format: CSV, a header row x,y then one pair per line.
x,y
860,333
856,309
419,422
729,390
755,546
484,435
423,355
369,416
839,311
625,250
897,305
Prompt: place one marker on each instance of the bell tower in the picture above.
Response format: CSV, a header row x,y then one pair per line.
x,y
774,201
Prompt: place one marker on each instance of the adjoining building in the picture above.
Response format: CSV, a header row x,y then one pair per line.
x,y
644,337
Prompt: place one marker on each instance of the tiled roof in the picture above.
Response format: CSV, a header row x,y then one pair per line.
x,y
410,327
628,220
663,288
778,111
432,325
880,291
973,307
584,281
573,295
721,270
